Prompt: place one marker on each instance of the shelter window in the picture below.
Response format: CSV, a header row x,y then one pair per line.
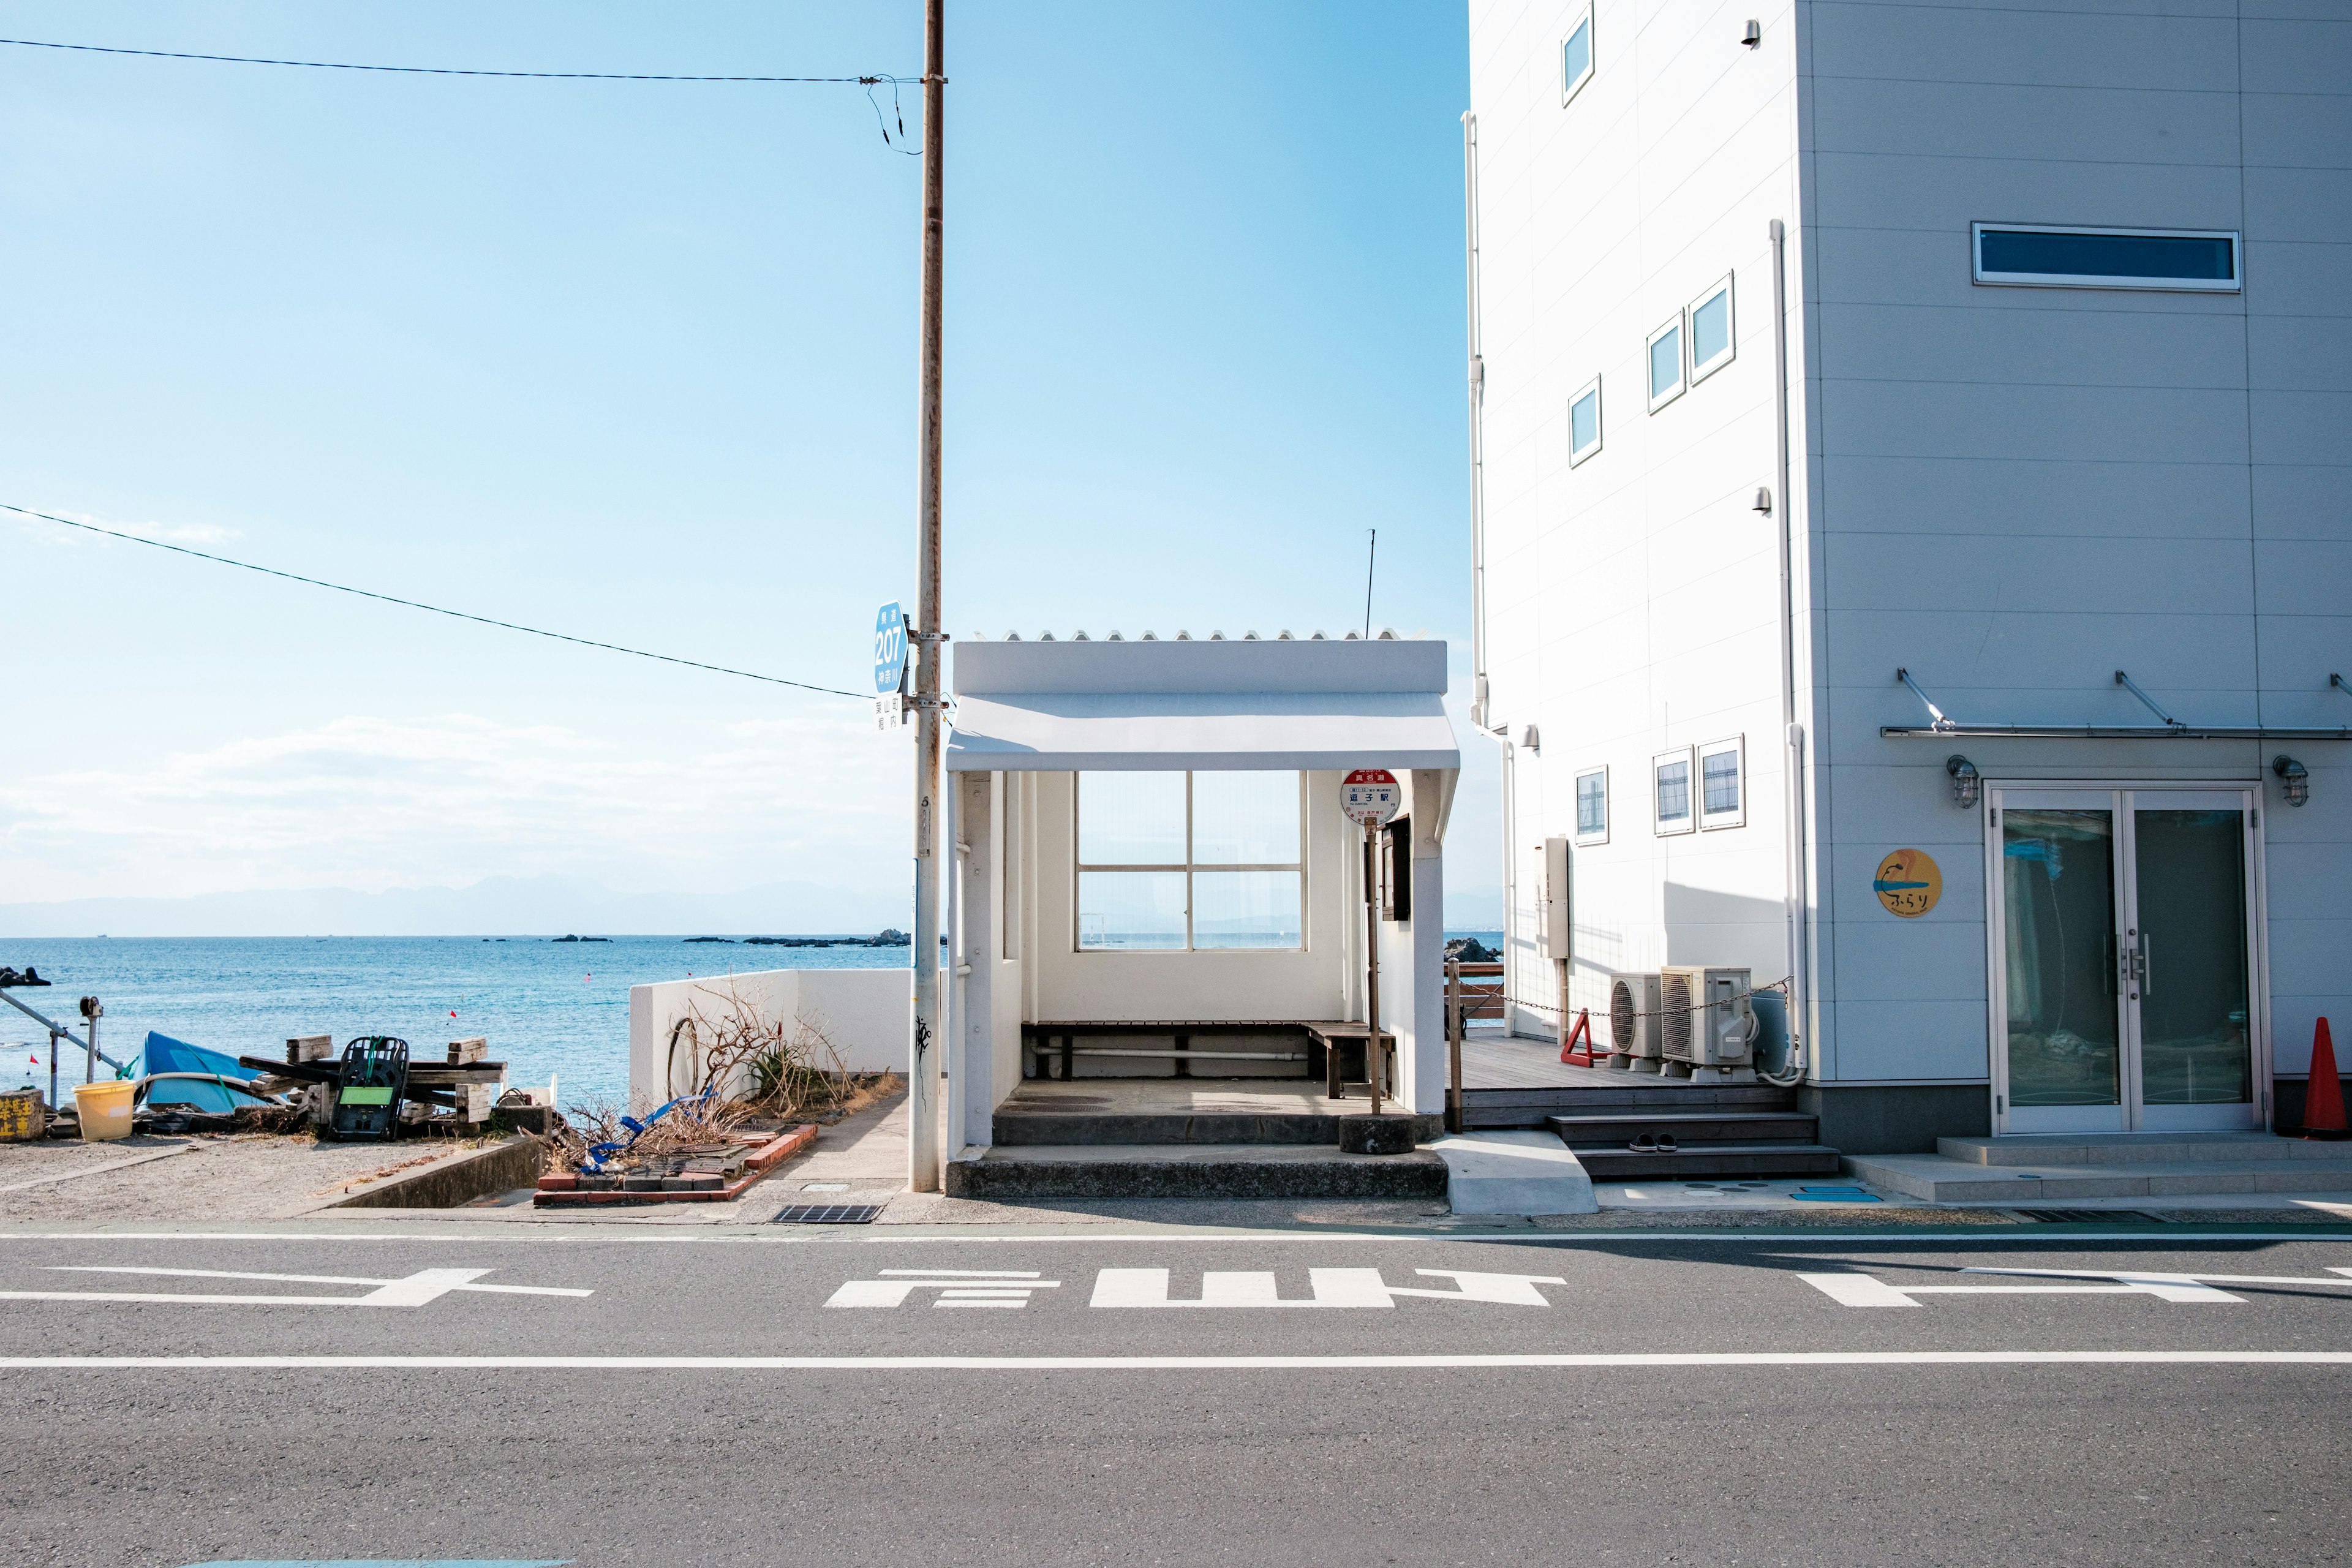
x,y
1176,862
2105,257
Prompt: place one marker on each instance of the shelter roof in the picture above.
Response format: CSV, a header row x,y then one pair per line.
x,y
1209,706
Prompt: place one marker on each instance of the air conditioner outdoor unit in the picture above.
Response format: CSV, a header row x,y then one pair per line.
x,y
1635,1041
1710,1025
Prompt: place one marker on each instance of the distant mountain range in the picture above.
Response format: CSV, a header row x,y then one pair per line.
x,y
498,906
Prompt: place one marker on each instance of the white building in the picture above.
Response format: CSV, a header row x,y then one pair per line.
x,y
2047,376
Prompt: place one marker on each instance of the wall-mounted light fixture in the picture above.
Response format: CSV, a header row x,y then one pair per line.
x,y
1533,740
1763,499
1967,784
1754,36
2294,776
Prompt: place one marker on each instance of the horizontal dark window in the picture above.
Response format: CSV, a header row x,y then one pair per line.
x,y
2147,260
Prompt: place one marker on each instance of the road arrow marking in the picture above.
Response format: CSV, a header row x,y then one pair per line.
x,y
413,1290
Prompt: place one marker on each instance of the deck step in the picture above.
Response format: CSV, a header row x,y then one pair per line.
x,y
1686,1128
1939,1178
1710,1160
1227,1171
2036,1151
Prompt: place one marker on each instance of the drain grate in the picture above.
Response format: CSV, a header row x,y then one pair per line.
x,y
2090,1216
828,1214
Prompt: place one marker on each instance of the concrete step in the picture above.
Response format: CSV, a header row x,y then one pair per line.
x,y
1708,1159
1939,1178
1026,1128
1514,1173
2038,1150
1686,1128
1231,1171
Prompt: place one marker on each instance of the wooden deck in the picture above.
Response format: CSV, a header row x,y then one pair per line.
x,y
1511,1082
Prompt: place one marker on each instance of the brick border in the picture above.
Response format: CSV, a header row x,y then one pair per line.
x,y
562,1189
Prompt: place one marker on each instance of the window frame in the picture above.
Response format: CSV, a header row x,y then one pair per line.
x,y
1659,760
2234,284
1569,88
1590,389
1658,400
1736,746
1692,371
1601,834
1189,866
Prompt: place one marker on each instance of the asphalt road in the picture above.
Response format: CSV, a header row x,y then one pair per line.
x,y
1051,1400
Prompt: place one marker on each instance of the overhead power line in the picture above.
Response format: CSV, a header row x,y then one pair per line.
x,y
436,70
414,604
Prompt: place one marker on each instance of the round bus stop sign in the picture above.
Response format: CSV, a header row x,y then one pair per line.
x,y
1370,796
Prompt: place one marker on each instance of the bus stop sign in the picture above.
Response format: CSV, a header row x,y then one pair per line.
x,y
1369,796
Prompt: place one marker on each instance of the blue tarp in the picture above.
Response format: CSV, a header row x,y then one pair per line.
x,y
164,1054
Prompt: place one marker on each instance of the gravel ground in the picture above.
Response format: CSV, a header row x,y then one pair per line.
x,y
240,1177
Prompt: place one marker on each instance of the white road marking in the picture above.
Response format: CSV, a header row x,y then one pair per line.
x,y
956,1288
2344,1282
1865,1290
413,1290
1172,1362
583,1233
1333,1288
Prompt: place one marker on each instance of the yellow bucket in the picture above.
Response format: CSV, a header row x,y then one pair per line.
x,y
105,1109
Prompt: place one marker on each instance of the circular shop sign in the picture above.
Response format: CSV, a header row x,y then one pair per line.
x,y
1370,796
1908,883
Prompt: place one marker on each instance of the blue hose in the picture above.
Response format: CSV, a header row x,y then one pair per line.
x,y
598,1153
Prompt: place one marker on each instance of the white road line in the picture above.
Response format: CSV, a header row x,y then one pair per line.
x,y
1171,1362
961,1273
2344,1281
304,1279
579,1233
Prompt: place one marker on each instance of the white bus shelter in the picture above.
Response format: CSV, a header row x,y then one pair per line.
x,y
1124,854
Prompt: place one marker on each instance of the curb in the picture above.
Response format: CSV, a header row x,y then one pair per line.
x,y
499,1168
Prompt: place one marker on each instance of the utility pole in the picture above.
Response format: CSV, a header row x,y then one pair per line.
x,y
923,1076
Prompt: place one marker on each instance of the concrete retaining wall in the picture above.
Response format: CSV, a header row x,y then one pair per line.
x,y
865,1013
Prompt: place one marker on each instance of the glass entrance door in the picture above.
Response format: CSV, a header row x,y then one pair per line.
x,y
2123,960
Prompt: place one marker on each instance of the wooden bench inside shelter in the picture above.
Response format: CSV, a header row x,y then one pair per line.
x,y
1329,1041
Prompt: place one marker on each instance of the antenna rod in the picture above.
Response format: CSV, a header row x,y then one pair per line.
x,y
1371,558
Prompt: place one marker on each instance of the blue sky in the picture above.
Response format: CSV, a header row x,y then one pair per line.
x,y
636,362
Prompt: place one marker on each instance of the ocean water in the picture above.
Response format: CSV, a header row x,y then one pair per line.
x,y
547,1008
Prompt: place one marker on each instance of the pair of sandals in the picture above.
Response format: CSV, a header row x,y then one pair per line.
x,y
1653,1143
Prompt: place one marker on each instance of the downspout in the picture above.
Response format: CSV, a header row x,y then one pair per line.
x,y
1796,900
1477,438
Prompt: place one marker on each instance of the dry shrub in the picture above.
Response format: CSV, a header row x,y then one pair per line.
x,y
793,1069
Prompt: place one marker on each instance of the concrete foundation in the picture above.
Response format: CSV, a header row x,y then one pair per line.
x,y
1897,1118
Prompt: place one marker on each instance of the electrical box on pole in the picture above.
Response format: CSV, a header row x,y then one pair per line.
x,y
1557,932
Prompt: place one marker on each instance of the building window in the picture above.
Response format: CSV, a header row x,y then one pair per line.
x,y
1723,784
1670,773
1712,342
2203,260
1665,346
1584,422
1175,862
1592,806
1575,56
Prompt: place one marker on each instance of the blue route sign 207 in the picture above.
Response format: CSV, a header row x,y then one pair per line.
x,y
889,650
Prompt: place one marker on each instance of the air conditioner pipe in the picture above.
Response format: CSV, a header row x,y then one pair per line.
x,y
1793,733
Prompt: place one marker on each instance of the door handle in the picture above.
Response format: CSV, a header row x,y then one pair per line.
x,y
2140,967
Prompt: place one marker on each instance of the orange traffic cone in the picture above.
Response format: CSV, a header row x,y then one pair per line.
x,y
2323,1101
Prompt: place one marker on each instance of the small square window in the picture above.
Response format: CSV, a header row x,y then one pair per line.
x,y
1666,354
1723,784
1584,422
1670,773
1575,56
1712,337
1592,806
